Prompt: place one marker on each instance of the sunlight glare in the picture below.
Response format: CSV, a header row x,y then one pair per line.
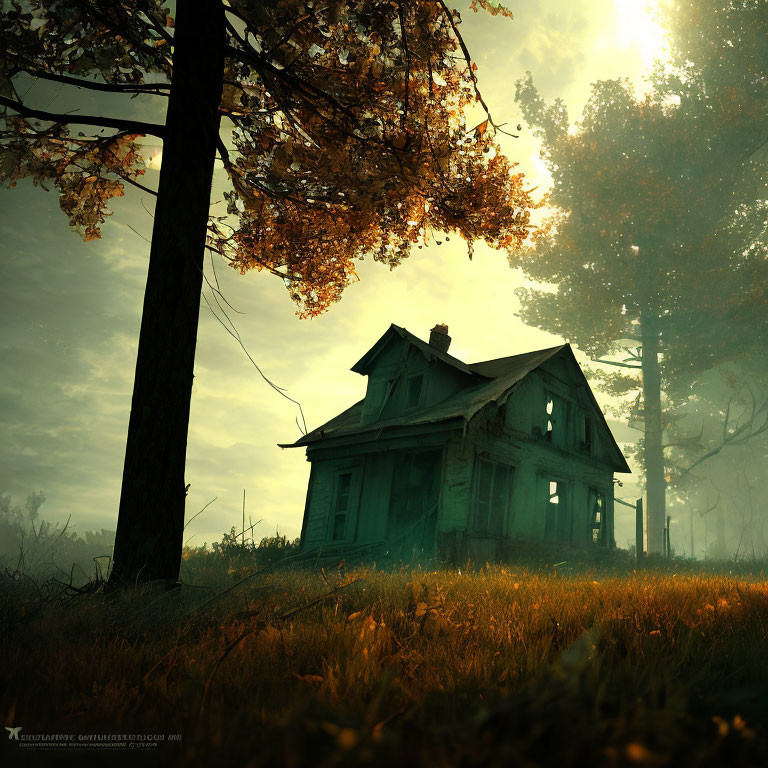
x,y
155,161
636,25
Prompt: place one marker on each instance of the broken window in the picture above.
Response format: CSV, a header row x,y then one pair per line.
x,y
557,522
557,412
550,409
492,489
597,509
341,506
413,395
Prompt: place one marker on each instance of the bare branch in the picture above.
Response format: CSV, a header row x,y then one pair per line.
x,y
741,434
167,36
707,511
726,420
136,184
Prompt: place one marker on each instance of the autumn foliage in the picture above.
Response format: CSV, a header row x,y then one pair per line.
x,y
346,131
642,200
87,173
374,163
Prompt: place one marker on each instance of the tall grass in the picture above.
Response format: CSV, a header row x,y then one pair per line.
x,y
501,666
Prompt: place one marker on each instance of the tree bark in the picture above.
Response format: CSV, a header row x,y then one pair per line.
x,y
151,517
655,482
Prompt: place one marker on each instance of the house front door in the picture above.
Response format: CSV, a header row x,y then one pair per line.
x,y
414,500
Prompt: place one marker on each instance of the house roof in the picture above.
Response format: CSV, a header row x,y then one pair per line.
x,y
514,364
495,381
364,364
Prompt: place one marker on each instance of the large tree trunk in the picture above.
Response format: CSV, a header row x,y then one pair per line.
x,y
655,482
151,517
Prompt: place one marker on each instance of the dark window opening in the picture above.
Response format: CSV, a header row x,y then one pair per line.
x,y
492,492
557,522
597,515
413,395
584,432
341,507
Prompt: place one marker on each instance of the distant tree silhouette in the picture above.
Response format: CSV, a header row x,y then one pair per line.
x,y
348,137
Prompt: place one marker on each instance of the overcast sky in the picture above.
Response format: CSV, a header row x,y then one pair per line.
x,y
70,311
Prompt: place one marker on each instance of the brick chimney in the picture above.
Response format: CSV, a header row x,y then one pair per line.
x,y
439,338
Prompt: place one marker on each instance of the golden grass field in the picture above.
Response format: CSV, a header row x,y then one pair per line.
x,y
499,666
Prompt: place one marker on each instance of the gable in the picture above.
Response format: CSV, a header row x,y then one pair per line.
x,y
394,335
405,376
556,397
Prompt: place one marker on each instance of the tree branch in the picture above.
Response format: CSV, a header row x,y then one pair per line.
x,y
739,435
136,184
618,365
128,126
223,152
707,511
152,89
303,87
167,36
289,34
472,75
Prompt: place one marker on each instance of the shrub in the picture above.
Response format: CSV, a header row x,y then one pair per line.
x,y
40,550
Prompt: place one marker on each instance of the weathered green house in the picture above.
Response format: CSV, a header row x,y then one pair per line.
x,y
456,458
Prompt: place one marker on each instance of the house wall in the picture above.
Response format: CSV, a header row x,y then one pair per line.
x,y
531,494
529,407
372,462
318,504
318,523
457,482
533,461
506,436
559,377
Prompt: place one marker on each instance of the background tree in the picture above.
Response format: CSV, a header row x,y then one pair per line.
x,y
721,49
646,247
718,68
717,446
348,137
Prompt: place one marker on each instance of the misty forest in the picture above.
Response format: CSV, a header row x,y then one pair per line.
x,y
383,382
